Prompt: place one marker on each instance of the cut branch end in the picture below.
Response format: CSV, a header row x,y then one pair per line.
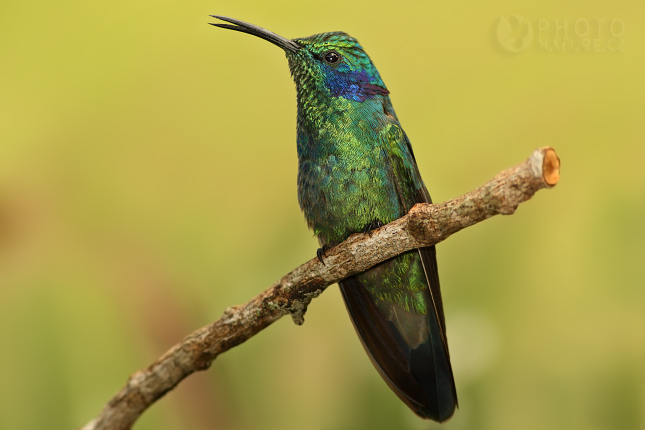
x,y
551,167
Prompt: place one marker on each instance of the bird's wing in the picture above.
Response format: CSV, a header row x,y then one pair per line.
x,y
406,343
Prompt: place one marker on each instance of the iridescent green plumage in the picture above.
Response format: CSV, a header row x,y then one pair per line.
x,y
356,167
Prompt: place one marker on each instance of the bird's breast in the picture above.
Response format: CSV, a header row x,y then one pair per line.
x,y
344,182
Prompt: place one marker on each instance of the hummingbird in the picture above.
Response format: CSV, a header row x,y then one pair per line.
x,y
357,172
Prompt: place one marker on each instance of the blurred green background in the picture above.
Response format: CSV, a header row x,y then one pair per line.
x,y
148,181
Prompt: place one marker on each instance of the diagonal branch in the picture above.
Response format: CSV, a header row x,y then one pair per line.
x,y
424,225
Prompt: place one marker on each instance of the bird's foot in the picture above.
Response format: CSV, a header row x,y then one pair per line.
x,y
370,226
321,252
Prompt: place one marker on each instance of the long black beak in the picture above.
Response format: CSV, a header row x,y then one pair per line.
x,y
260,32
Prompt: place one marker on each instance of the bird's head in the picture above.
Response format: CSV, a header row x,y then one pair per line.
x,y
333,64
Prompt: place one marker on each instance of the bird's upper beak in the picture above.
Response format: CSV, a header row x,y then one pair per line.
x,y
245,27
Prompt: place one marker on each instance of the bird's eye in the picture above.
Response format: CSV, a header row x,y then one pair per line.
x,y
331,57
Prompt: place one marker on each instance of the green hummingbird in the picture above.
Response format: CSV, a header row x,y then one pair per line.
x,y
356,172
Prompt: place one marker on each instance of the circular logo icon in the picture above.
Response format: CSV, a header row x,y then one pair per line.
x,y
514,33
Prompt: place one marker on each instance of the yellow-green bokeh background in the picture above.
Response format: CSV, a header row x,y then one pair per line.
x,y
148,181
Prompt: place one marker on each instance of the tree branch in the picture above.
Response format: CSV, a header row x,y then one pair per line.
x,y
424,225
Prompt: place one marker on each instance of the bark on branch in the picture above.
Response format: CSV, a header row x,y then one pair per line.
x,y
424,225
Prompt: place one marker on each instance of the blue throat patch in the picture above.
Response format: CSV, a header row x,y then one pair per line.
x,y
353,85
